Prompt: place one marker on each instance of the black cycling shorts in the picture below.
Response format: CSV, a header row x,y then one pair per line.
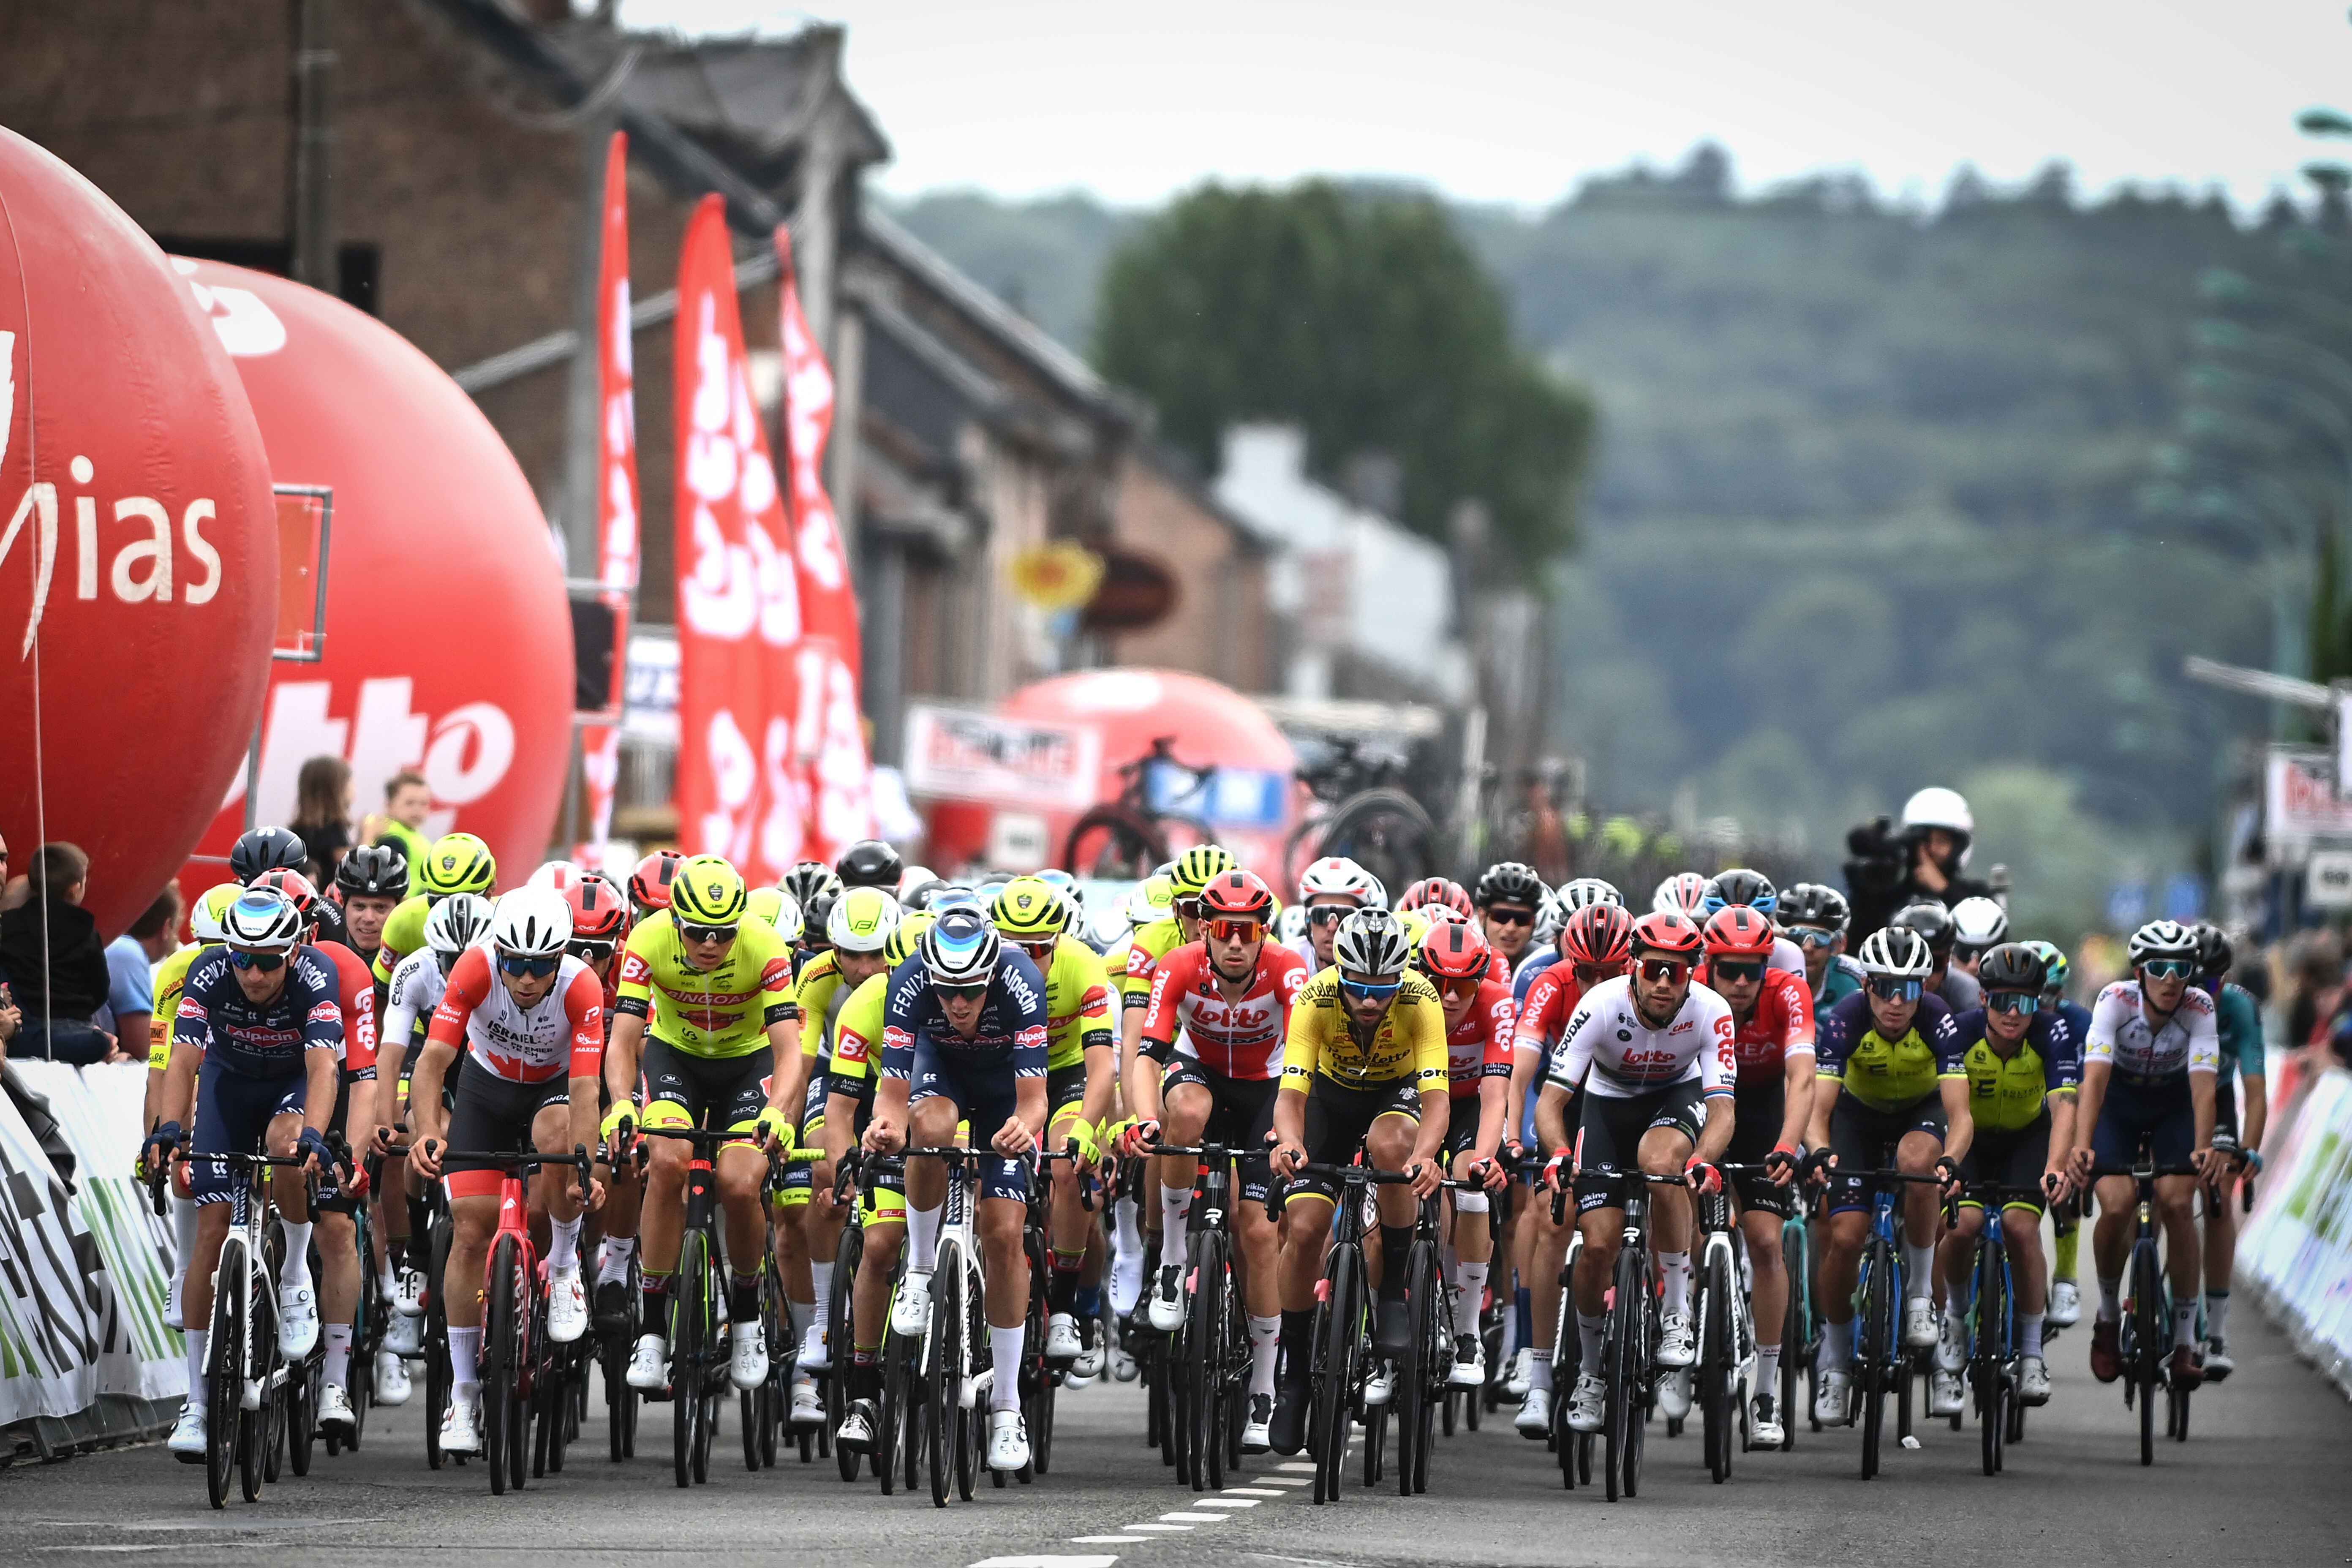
x,y
1241,1115
1462,1113
493,1115
1064,1087
1760,1108
1338,1116
2014,1157
1864,1139
1608,1131
719,1091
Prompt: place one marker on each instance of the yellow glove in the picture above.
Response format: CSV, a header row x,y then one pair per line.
x,y
777,1128
622,1115
1084,1137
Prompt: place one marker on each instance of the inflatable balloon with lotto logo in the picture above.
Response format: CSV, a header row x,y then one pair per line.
x,y
138,545
447,637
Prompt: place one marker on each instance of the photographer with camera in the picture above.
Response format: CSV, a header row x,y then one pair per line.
x,y
1924,858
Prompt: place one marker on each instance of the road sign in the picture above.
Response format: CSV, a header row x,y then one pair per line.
x,y
2327,879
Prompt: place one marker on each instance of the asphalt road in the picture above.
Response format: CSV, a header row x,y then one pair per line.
x,y
2261,1481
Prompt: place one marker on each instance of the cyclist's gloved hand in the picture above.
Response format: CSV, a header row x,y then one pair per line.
x,y
619,1125
1784,1162
1083,1137
1702,1176
2254,1158
312,1145
1949,1169
1559,1170
775,1128
161,1142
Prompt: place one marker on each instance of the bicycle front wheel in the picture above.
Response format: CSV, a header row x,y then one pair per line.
x,y
1625,1368
1874,1332
943,1375
1337,1344
224,1378
1432,1361
499,1348
687,1319
2148,1330
1794,1328
1715,1353
1991,1358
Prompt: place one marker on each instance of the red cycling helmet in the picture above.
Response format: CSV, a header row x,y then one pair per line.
x,y
599,912
1737,931
649,883
1443,891
1454,950
1598,936
1237,896
295,887
1675,935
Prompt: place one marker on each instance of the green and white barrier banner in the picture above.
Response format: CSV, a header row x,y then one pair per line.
x,y
2298,1246
81,1275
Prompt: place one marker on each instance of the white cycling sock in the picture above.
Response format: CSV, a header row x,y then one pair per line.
x,y
1005,1354
563,1242
1175,1214
2111,1305
2029,1333
1675,1267
2217,1314
2184,1322
464,1354
297,1254
923,1238
337,1367
1589,1330
1768,1370
1919,1272
184,1228
1540,1372
822,1274
614,1268
1837,1346
1474,1293
1266,1345
198,1392
1126,1225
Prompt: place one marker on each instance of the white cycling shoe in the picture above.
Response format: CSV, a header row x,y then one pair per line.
x,y
747,1354
1833,1400
1469,1363
816,1350
1764,1428
2065,1304
1008,1440
298,1318
856,1432
188,1436
2033,1380
1677,1340
461,1425
1674,1394
408,1294
567,1305
404,1336
1166,1308
1257,1429
649,1364
1919,1324
1533,1419
1588,1403
1089,1362
1061,1340
1945,1394
1952,1346
392,1386
1379,1387
808,1410
910,1311
1514,1383
335,1407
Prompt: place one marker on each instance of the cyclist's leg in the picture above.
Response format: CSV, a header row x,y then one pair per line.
x,y
1856,1132
742,1170
2169,1144
1665,1148
1185,1103
1242,1118
233,1116
491,1113
2114,1142
1472,1229
936,1104
672,1096
1071,1223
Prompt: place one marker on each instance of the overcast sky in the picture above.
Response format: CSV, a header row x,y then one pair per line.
x,y
1514,100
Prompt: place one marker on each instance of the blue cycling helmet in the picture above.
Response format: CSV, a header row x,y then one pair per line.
x,y
961,947
1741,886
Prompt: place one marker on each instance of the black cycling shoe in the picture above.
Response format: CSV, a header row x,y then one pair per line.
x,y
612,1307
1288,1432
1395,1335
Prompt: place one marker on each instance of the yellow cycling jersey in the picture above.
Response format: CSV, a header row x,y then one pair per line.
x,y
1883,1074
403,933
1078,1006
724,1013
171,977
1146,946
817,990
2008,1093
858,1037
1409,1042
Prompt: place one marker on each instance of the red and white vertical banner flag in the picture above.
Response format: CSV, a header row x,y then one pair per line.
x,y
830,738
617,484
740,786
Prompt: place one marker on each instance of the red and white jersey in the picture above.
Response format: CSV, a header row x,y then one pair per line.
x,y
1612,1051
1479,1048
1545,1010
1779,1026
1240,1039
355,989
562,1036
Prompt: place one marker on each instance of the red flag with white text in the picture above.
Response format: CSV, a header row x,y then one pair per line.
x,y
616,485
830,738
740,784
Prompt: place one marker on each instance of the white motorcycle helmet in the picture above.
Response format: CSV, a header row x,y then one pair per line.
x,y
1939,807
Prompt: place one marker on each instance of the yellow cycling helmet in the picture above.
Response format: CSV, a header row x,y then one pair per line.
x,y
1149,901
457,863
1197,867
779,909
863,921
907,937
1416,926
709,892
212,907
1029,908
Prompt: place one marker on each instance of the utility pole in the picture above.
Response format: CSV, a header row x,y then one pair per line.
x,y
310,167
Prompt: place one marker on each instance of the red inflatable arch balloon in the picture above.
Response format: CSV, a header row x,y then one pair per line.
x,y
448,638
138,548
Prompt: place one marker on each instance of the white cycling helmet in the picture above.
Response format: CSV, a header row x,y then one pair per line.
x,y
457,922
263,921
1937,807
531,922
1897,953
1551,919
1290,925
1574,895
1336,876
1371,941
558,875
2157,939
862,921
961,948
212,904
1979,923
1684,893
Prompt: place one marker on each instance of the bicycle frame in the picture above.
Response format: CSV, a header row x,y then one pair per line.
x,y
2143,1334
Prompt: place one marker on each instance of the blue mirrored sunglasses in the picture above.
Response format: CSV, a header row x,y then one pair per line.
x,y
2169,968
537,968
264,961
1895,990
1365,991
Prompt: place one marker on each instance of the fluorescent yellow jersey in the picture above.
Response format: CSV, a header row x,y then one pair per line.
x,y
1408,1043
170,976
2008,1093
1883,1074
819,993
1145,948
724,1013
403,933
857,1038
1078,1007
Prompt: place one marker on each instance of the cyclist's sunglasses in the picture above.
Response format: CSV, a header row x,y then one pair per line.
x,y
1807,936
2169,968
1370,991
1589,975
1743,969
264,961
1664,971
707,934
1186,908
1328,914
1041,949
972,993
1458,989
536,968
1235,930
2012,1000
588,951
1888,990
1505,915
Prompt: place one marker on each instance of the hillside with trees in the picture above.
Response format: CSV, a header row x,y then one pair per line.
x,y
1867,507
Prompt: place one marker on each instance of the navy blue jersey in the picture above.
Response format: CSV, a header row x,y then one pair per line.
x,y
263,1039
1531,966
1012,1021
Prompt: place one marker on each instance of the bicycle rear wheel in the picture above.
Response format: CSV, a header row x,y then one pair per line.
x,y
1433,1362
2148,1330
944,1373
1386,832
1114,841
1874,1346
689,1321
1337,1347
1715,1370
1625,1368
890,1411
223,1391
1991,1361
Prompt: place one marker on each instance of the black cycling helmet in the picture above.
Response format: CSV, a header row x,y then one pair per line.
x,y
870,863
1742,886
918,898
2012,966
260,849
374,872
2213,954
1933,921
1510,882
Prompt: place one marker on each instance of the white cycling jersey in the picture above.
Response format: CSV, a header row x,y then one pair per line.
x,y
1609,1049
2189,1041
415,990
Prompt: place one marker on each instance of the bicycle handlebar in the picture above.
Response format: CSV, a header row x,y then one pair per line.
x,y
1560,1195
2138,1170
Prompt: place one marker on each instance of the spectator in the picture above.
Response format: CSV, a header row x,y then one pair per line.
x,y
50,952
323,813
131,960
407,802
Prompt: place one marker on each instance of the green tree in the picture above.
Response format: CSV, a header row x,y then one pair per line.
x,y
1363,317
